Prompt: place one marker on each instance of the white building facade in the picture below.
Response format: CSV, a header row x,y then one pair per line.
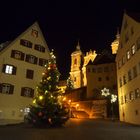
x,y
21,65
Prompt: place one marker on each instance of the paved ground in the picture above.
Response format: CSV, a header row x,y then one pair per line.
x,y
74,130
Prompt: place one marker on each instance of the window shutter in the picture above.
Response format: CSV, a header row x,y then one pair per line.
x,y
22,91
35,60
0,88
27,58
14,70
32,93
4,67
13,53
43,49
29,44
22,56
40,62
11,89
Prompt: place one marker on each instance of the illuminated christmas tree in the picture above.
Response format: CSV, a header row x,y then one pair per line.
x,y
48,108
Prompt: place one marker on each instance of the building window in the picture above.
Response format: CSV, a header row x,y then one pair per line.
x,y
39,48
34,33
132,30
133,49
129,75
136,112
134,71
29,74
107,78
137,93
106,69
25,43
131,95
123,60
99,70
93,69
88,69
6,88
27,92
9,69
126,98
99,79
128,55
120,81
17,55
126,37
42,62
119,64
74,79
138,43
124,79
75,61
31,59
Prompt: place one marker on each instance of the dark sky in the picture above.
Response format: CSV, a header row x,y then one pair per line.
x,y
63,22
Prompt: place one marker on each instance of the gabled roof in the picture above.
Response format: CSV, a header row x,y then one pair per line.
x,y
135,16
7,44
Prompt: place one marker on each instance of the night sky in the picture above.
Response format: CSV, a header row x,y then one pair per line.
x,y
64,22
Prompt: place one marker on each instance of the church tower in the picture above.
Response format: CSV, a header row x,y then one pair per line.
x,y
76,62
115,43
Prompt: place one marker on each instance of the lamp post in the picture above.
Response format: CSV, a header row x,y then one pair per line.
x,y
113,98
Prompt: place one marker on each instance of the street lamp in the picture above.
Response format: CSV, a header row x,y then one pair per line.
x,y
113,98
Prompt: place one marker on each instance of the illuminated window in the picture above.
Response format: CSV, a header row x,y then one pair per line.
x,y
9,69
128,55
137,93
133,49
131,95
6,88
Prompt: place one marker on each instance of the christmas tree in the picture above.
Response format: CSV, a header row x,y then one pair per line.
x,y
48,108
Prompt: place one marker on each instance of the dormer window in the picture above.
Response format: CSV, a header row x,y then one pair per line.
x,y
34,33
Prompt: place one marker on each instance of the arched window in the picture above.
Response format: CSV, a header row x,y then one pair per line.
x,y
75,61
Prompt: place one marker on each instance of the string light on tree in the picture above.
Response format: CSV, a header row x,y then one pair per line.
x,y
48,108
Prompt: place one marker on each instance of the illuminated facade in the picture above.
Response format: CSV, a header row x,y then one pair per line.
x,y
21,65
78,66
128,69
